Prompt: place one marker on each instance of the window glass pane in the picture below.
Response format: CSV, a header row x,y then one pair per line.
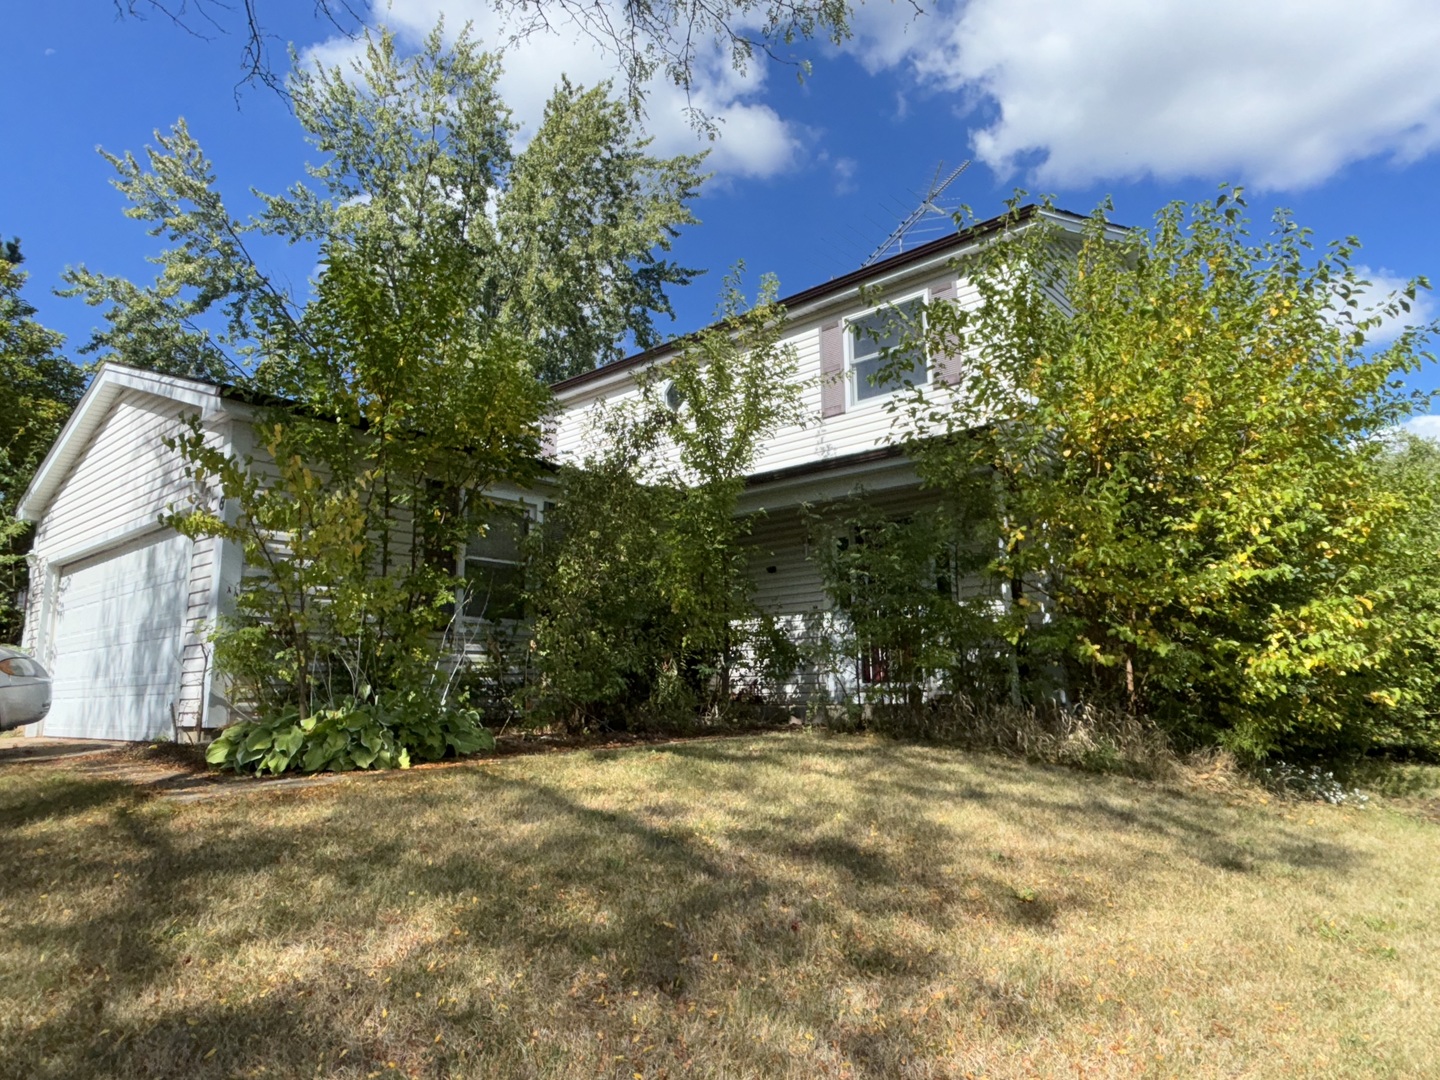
x,y
867,381
504,528
876,332
494,591
873,339
494,563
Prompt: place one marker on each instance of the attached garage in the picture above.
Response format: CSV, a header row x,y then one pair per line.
x,y
118,636
120,607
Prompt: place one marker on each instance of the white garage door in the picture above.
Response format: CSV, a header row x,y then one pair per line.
x,y
118,628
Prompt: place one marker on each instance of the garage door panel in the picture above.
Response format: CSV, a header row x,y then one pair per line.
x,y
118,635
92,642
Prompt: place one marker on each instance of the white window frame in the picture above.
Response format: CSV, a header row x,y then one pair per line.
x,y
531,514
676,407
853,399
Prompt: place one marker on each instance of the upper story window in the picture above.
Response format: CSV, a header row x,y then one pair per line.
x,y
674,399
873,344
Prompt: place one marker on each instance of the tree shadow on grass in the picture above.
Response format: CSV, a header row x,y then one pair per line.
x,y
444,885
280,1030
58,795
1195,822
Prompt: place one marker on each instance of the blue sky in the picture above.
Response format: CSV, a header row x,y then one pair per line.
x,y
1312,106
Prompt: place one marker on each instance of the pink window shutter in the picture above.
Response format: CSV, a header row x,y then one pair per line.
x,y
832,369
946,366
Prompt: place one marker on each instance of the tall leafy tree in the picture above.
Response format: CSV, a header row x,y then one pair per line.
x,y
41,387
1405,684
592,276
1184,462
566,237
415,369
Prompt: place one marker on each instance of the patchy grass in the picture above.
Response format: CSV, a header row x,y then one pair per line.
x,y
786,905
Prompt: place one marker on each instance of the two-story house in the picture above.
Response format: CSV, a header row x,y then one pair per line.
x,y
119,607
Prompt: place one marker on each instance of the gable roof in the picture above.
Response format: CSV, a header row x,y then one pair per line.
x,y
208,398
110,381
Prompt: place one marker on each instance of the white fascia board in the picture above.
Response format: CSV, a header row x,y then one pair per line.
x,y
829,485
602,386
110,381
1075,226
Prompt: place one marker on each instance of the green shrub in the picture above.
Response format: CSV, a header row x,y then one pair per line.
x,y
353,735
643,613
1194,522
897,583
430,731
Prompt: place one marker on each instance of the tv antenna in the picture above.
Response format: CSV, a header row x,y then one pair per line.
x,y
929,205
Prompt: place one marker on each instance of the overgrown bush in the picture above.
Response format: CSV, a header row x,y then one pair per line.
x,y
1189,476
910,617
640,593
355,734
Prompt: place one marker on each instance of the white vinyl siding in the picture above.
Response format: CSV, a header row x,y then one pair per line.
x,y
113,497
785,579
126,477
863,426
788,585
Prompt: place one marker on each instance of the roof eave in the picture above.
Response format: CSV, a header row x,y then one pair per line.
x,y
888,267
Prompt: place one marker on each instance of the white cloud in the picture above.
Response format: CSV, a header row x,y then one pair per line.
x,y
1427,427
753,141
1383,286
1279,94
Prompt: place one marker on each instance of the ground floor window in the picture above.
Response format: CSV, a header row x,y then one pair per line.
x,y
493,562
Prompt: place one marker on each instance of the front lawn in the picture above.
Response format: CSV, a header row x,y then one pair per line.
x,y
788,905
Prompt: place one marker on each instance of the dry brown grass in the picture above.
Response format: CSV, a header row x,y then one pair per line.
x,y
789,905
1083,736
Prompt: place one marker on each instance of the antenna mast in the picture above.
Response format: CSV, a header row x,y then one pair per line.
x,y
895,242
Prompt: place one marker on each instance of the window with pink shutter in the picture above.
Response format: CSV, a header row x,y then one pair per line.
x,y
946,363
832,369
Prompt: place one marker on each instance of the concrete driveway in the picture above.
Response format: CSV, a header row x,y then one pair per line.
x,y
15,749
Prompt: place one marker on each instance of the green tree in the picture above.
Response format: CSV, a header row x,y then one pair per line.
x,y
1404,682
1184,456
592,272
642,599
41,388
566,236
409,374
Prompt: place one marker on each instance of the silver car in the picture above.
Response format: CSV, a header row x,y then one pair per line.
x,y
24,689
